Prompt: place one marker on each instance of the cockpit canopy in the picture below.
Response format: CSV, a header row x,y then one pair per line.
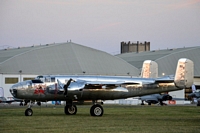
x,y
26,84
23,85
45,79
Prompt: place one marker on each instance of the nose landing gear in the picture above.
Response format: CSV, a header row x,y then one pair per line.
x,y
29,111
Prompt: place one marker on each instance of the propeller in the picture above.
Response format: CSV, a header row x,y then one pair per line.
x,y
66,86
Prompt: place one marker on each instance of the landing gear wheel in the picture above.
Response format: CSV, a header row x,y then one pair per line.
x,y
70,109
28,112
96,110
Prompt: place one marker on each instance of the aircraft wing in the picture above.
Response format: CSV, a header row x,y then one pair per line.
x,y
179,99
17,100
146,98
109,82
3,100
6,101
84,83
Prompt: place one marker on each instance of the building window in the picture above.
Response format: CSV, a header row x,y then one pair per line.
x,y
24,79
11,80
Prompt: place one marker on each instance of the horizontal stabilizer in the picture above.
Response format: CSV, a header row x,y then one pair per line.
x,y
165,79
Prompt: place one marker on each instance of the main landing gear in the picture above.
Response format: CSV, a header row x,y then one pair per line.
x,y
70,109
95,110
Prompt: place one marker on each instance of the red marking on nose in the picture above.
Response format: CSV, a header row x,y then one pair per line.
x,y
39,91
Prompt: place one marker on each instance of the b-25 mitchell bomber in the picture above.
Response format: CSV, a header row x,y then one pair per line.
x,y
81,87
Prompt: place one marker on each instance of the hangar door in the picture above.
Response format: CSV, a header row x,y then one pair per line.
x,y
1,92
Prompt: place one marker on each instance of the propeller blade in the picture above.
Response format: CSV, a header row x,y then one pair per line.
x,y
66,86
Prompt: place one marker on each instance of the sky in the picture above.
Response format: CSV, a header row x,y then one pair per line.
x,y
100,24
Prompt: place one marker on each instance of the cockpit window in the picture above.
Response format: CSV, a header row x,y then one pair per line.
x,y
39,77
36,81
47,79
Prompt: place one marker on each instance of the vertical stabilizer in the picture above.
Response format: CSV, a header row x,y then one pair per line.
x,y
184,73
149,69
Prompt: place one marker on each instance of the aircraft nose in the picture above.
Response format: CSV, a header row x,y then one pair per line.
x,y
13,90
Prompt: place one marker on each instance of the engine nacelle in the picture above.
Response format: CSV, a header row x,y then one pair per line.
x,y
76,86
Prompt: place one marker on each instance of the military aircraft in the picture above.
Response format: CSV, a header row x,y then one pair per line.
x,y
195,95
86,87
155,98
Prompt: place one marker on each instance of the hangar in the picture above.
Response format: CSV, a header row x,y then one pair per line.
x,y
167,61
23,63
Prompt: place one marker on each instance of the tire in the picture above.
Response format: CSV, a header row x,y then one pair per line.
x,y
96,110
28,112
70,109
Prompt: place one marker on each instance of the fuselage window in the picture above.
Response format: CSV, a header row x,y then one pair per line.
x,y
47,79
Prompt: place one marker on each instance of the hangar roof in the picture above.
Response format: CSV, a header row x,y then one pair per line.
x,y
62,58
166,59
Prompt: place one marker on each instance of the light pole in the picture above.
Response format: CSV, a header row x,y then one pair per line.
x,y
20,71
